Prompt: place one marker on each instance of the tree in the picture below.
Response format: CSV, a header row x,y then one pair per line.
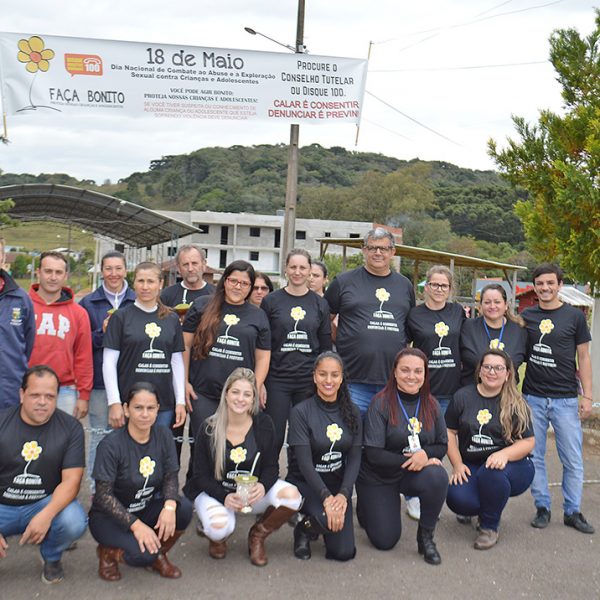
x,y
5,206
557,160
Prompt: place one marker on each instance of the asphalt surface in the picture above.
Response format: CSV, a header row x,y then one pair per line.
x,y
557,562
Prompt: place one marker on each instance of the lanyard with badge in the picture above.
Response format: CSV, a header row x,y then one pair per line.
x,y
501,332
413,426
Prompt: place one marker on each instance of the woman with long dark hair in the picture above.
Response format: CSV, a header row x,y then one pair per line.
x,y
239,440
325,437
405,440
223,332
300,331
144,342
490,438
263,286
137,514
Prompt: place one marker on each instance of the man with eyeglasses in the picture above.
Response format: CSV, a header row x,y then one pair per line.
x,y
556,334
372,303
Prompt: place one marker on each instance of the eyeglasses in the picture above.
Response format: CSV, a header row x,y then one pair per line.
x,y
493,368
260,288
242,283
438,286
376,249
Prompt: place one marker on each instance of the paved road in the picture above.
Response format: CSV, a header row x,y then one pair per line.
x,y
527,563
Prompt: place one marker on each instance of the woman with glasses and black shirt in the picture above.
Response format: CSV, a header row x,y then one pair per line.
x,y
263,286
490,438
221,333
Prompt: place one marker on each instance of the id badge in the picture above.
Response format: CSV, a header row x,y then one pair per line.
x,y
413,442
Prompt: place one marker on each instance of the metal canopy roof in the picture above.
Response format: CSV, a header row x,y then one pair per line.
x,y
104,215
427,255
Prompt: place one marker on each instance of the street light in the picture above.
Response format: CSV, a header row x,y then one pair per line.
x,y
291,191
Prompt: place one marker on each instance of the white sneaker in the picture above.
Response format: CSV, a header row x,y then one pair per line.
x,y
413,507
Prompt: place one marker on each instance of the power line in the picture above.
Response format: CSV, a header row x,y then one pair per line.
x,y
386,129
412,119
463,68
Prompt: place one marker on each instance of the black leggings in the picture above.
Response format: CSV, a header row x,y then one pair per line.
x,y
380,503
339,545
107,532
281,396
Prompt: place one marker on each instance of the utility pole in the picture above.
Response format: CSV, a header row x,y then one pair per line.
x,y
291,192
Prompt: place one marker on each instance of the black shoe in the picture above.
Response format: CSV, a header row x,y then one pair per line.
x,y
426,546
301,542
577,521
463,519
541,519
53,572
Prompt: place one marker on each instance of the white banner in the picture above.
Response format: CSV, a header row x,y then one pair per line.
x,y
63,74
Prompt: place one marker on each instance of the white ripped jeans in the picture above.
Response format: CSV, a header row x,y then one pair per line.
x,y
218,521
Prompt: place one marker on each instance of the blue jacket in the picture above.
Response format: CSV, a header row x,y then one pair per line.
x,y
97,306
17,333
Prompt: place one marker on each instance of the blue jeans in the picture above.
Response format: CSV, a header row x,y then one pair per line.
x,y
165,418
444,402
67,398
563,413
487,491
362,394
67,526
98,418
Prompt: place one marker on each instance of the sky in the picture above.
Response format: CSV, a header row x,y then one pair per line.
x,y
450,75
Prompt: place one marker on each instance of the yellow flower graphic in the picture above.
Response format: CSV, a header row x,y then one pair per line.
x,y
229,321
147,466
484,416
496,344
414,425
33,53
238,455
546,326
152,331
382,295
297,313
441,329
334,434
31,451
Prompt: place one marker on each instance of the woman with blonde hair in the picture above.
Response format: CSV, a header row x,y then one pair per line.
x,y
490,438
239,440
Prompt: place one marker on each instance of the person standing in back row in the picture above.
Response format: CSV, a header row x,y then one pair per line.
x,y
556,333
372,303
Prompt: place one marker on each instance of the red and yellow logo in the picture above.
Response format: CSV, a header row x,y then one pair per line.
x,y
83,64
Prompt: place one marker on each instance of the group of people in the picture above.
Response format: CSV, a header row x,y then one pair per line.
x,y
406,386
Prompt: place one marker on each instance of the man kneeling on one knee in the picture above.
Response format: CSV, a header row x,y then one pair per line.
x,y
41,465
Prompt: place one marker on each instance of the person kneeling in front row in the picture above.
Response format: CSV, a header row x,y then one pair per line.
x,y
41,465
234,445
137,514
405,439
490,437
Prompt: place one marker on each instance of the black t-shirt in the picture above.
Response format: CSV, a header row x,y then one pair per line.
x,y
300,331
146,345
136,470
243,329
177,294
372,321
238,460
385,444
437,334
552,340
320,426
474,341
32,457
477,420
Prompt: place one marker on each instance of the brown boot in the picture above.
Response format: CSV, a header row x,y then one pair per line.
x,y
162,565
271,520
217,550
108,567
